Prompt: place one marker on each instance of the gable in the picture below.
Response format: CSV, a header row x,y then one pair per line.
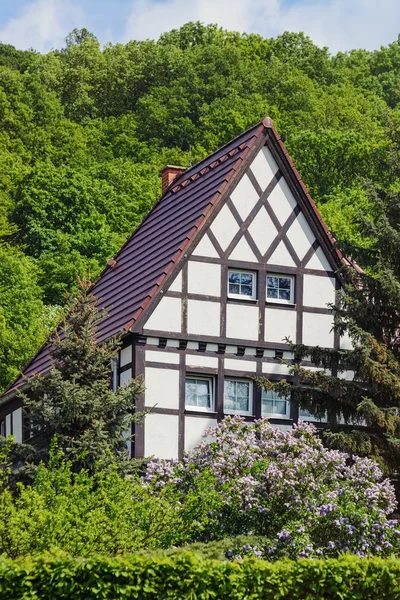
x,y
260,226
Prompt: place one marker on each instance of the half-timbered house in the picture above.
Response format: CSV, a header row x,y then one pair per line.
x,y
233,259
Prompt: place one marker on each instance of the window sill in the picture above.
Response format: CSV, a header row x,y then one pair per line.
x,y
199,411
276,303
242,300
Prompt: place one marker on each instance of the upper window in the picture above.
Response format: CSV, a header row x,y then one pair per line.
x,y
280,288
238,396
242,284
199,393
274,405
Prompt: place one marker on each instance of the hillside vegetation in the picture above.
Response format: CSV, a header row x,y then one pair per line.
x,y
84,131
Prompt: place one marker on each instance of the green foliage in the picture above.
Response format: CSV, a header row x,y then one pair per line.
x,y
80,513
186,576
74,400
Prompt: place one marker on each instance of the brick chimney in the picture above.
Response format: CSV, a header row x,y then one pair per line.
x,y
169,173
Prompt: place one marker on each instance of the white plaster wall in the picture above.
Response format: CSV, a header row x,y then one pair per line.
x,y
176,285
345,342
300,236
224,227
262,230
161,436
319,261
284,427
162,387
17,424
275,369
242,321
205,248
264,167
232,364
199,360
282,201
317,330
279,324
204,317
281,256
318,291
124,377
8,424
204,278
125,356
162,357
244,197
194,430
166,316
242,251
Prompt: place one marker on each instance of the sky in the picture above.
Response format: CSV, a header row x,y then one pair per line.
x,y
339,24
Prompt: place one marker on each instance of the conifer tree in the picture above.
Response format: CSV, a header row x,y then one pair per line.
x,y
74,402
359,390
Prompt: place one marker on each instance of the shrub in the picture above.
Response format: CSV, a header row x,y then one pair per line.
x,y
186,576
305,500
82,513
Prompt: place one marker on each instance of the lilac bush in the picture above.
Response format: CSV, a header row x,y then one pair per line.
x,y
299,498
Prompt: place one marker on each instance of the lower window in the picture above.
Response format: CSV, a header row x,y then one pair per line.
x,y
274,405
238,396
199,393
305,415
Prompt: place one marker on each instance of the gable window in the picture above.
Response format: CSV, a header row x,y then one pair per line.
x,y
280,288
274,405
241,284
238,396
199,393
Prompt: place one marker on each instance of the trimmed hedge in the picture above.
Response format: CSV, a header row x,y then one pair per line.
x,y
56,577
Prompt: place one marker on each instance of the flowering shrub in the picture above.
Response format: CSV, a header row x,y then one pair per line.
x,y
303,499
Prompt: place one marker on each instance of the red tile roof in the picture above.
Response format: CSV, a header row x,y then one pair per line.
x,y
130,280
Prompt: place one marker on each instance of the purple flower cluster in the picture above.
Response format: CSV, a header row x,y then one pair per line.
x,y
303,499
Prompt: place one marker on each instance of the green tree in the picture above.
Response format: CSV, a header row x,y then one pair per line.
x,y
74,401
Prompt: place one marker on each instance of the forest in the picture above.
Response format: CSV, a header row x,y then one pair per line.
x,y
85,129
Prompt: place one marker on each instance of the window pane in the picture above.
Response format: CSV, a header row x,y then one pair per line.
x,y
242,404
271,293
234,277
242,388
272,282
284,283
280,407
234,288
246,278
247,290
284,294
198,392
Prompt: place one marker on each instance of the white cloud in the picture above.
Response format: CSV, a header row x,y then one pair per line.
x,y
338,24
42,25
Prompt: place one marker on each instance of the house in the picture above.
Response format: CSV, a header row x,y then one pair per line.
x,y
232,259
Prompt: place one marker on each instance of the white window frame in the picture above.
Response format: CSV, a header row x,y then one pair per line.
x,y
280,300
211,381
253,284
276,415
240,412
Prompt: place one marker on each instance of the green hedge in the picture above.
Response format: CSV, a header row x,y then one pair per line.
x,y
187,576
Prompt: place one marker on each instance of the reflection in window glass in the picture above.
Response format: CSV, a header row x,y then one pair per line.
x,y
198,393
237,396
241,284
280,288
274,404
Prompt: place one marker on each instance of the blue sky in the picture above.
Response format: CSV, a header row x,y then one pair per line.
x,y
338,24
